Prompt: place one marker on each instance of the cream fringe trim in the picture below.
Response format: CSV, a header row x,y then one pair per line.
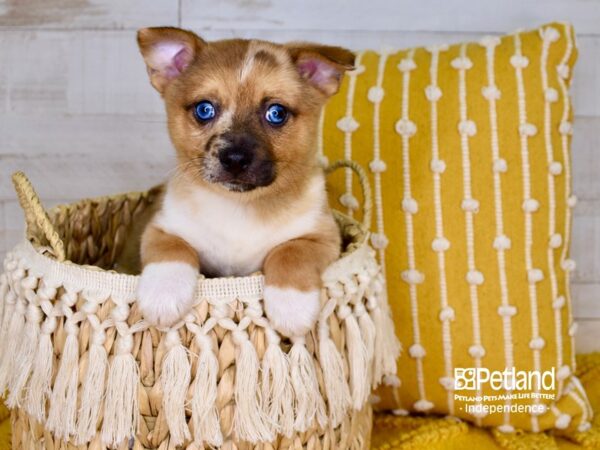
x,y
276,395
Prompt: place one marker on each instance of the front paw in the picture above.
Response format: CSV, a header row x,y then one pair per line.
x,y
166,292
290,311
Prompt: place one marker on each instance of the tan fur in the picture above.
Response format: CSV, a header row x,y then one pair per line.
x,y
158,246
241,78
300,262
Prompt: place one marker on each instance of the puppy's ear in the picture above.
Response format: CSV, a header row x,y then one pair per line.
x,y
321,65
167,52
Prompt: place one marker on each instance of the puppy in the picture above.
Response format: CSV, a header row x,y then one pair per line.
x,y
248,193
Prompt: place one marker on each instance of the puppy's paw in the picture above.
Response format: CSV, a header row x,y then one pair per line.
x,y
166,292
292,312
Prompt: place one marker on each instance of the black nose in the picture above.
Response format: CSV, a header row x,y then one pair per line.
x,y
237,156
235,160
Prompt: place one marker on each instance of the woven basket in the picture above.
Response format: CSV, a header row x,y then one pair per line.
x,y
81,369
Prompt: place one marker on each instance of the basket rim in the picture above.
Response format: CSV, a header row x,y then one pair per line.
x,y
105,283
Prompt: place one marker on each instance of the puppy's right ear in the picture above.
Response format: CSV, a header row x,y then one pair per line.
x,y
167,52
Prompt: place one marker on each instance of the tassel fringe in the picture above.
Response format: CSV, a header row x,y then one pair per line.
x,y
336,386
279,395
24,360
205,417
17,322
63,401
249,422
367,331
92,390
121,408
309,403
10,300
277,391
357,359
175,378
39,387
387,346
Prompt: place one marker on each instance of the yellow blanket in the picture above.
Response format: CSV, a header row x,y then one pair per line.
x,y
403,433
4,428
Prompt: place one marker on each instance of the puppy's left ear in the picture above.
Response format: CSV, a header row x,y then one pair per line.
x,y
167,52
321,65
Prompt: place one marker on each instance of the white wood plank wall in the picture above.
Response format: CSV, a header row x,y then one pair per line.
x,y
77,113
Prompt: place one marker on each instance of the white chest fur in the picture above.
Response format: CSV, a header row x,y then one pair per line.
x,y
230,237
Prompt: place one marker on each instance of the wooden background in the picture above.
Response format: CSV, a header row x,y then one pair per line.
x,y
78,115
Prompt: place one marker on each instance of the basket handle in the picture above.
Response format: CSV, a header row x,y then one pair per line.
x,y
364,185
39,226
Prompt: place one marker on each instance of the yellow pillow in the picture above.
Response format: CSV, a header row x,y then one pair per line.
x,y
468,148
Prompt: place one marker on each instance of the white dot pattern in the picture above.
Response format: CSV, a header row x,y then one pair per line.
x,y
423,189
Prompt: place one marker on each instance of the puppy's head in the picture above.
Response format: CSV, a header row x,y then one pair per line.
x,y
242,114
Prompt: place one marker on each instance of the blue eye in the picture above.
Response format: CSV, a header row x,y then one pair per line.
x,y
276,114
205,111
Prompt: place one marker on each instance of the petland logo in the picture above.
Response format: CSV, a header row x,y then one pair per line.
x,y
473,378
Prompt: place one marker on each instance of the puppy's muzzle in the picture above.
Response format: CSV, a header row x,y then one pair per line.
x,y
245,163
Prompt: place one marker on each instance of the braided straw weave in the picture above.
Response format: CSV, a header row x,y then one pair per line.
x,y
82,370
